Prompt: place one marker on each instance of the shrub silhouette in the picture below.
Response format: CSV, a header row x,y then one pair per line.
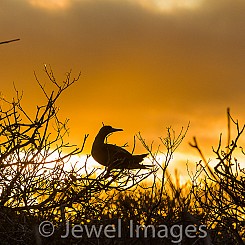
x,y
221,193
36,185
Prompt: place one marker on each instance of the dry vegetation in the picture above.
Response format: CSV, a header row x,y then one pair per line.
x,y
36,186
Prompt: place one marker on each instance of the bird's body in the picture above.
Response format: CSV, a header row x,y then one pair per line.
x,y
112,156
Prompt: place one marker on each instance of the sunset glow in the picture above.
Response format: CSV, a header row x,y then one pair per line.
x,y
169,5
153,5
151,89
141,71
50,4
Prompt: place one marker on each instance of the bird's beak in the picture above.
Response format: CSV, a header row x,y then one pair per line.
x,y
116,129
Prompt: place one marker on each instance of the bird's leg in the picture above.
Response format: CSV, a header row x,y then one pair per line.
x,y
108,171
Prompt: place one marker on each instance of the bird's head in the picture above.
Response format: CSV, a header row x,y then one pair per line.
x,y
105,130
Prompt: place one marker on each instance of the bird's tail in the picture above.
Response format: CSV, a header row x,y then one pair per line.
x,y
139,158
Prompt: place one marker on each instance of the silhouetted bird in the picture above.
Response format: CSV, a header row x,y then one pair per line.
x,y
112,156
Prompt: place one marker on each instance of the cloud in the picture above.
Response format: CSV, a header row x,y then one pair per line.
x,y
139,67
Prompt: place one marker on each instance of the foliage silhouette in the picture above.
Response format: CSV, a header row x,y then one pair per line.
x,y
35,182
37,186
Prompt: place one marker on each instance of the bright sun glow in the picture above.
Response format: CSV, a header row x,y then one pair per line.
x,y
50,4
169,5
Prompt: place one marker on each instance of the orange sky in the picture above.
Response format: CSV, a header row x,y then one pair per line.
x,y
145,65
